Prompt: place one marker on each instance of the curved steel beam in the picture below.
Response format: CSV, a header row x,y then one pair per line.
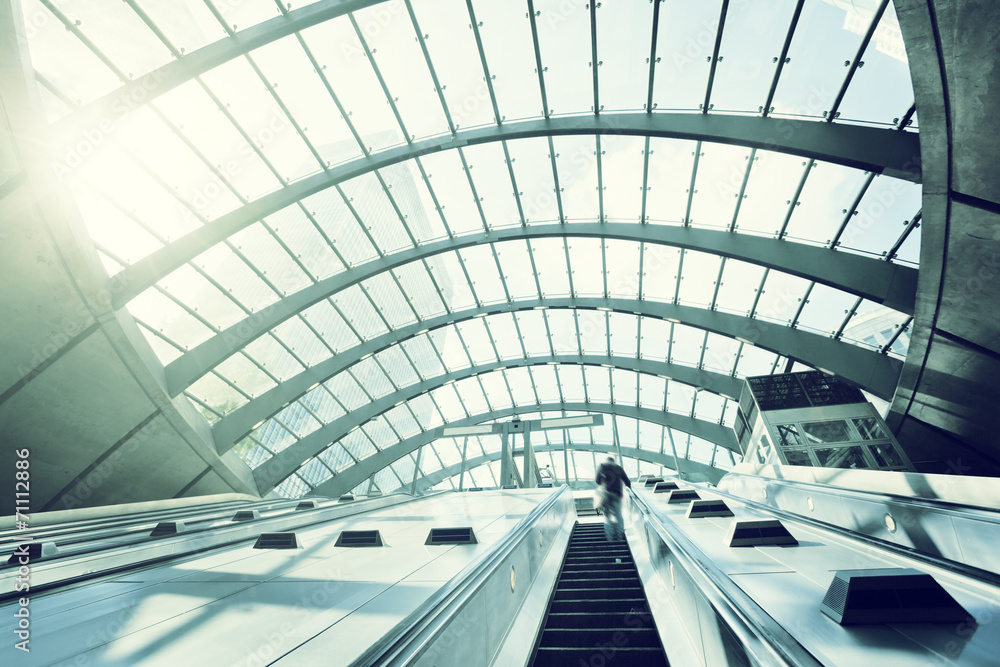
x,y
876,373
432,479
114,106
872,149
275,470
892,285
233,427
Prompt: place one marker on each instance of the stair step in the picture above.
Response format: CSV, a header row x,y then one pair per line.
x,y
607,656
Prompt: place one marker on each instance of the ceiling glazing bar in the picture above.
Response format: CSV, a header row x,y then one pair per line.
x,y
714,304
381,80
802,304
430,65
600,181
652,62
783,58
895,336
794,202
694,179
852,211
714,59
532,15
847,319
910,226
595,63
482,58
643,218
757,293
555,180
743,188
853,65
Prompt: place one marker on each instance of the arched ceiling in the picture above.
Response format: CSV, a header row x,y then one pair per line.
x,y
343,224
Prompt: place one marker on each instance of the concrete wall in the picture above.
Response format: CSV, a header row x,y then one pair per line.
x,y
946,411
80,388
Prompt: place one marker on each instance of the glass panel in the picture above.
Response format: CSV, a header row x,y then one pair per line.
x,y
698,278
489,172
869,429
886,455
881,89
751,42
339,53
375,210
448,179
340,226
550,263
825,310
506,35
623,329
286,66
770,189
828,192
797,458
684,47
835,430
623,33
740,282
720,174
622,258
240,88
887,207
587,264
622,167
841,457
64,60
781,297
669,160
452,47
653,342
577,165
810,81
788,435
395,50
419,289
564,39
517,270
533,172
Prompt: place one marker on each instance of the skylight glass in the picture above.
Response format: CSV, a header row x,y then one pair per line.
x,y
346,91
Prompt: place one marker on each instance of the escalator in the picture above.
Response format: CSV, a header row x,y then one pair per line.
x,y
598,614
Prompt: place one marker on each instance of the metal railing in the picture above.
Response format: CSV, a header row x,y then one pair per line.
x,y
415,633
764,639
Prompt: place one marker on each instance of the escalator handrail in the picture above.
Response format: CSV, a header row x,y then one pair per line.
x,y
411,636
763,637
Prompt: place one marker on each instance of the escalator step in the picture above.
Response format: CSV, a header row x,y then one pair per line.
x,y
621,605
603,582
591,637
636,617
596,593
607,656
610,570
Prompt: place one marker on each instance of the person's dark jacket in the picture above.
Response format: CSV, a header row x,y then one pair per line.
x,y
612,476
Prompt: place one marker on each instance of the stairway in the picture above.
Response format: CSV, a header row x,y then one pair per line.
x,y
598,614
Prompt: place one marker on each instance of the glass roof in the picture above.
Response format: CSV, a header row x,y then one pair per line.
x,y
530,273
